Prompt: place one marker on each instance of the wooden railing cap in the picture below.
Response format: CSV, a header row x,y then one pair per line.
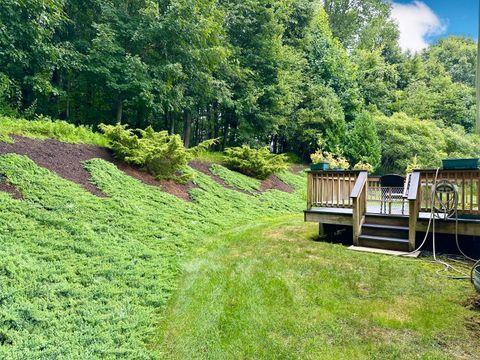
x,y
359,184
414,183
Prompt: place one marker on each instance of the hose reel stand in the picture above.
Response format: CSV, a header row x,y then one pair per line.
x,y
445,199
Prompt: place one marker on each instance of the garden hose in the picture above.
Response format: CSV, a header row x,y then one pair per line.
x,y
447,209
473,269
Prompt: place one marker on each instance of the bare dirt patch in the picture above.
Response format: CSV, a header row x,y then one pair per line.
x,y
66,161
8,188
273,182
473,302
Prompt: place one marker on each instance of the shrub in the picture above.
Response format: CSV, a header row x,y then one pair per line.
x,y
363,166
337,161
162,155
258,163
404,137
413,164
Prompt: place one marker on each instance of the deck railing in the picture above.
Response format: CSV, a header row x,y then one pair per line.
x,y
330,188
468,187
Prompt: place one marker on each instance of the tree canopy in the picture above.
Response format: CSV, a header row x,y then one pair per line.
x,y
296,75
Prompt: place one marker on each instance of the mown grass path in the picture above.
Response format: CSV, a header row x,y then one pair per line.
x,y
269,291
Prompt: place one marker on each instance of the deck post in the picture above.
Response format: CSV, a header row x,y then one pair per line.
x,y
355,222
412,224
359,201
321,230
413,209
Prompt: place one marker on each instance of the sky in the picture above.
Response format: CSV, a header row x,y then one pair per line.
x,y
421,22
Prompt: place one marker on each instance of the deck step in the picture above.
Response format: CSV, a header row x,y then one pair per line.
x,y
383,242
392,231
382,219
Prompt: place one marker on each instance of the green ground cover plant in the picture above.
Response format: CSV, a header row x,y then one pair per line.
x,y
236,179
257,163
88,277
44,128
267,290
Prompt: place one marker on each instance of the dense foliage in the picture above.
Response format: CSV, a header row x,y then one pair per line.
x,y
160,154
258,163
296,75
405,138
47,129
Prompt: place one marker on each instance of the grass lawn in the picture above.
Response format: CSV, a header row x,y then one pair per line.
x,y
268,290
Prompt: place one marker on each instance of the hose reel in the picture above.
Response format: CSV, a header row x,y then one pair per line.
x,y
444,199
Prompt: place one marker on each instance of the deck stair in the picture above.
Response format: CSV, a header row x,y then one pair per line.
x,y
384,232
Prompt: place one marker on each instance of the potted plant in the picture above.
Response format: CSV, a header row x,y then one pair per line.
x,y
337,162
319,162
363,166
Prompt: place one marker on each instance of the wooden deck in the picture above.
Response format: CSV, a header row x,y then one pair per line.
x,y
346,198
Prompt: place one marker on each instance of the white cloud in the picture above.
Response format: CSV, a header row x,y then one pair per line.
x,y
416,21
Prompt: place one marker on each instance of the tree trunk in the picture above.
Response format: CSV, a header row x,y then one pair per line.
x,y
225,131
172,122
119,110
187,129
196,133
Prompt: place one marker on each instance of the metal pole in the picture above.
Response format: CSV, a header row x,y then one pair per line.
x,y
477,127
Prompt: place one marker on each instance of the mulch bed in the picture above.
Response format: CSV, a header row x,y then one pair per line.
x,y
204,168
66,161
273,182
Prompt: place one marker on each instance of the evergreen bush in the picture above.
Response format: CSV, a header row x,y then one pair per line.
x,y
258,163
162,155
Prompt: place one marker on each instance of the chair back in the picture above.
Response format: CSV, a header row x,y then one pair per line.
x,y
392,180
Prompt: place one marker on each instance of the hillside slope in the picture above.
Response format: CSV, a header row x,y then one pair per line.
x,y
86,274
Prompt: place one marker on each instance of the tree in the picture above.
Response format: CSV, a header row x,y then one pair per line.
x,y
364,24
363,144
404,137
377,79
318,121
271,71
458,55
28,52
329,63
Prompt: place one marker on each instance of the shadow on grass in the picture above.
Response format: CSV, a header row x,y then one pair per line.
x,y
334,234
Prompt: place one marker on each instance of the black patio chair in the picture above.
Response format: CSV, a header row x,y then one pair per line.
x,y
392,187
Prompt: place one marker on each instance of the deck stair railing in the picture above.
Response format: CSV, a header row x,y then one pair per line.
x,y
330,188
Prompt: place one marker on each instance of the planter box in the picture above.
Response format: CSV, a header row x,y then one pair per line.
x,y
320,166
460,164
